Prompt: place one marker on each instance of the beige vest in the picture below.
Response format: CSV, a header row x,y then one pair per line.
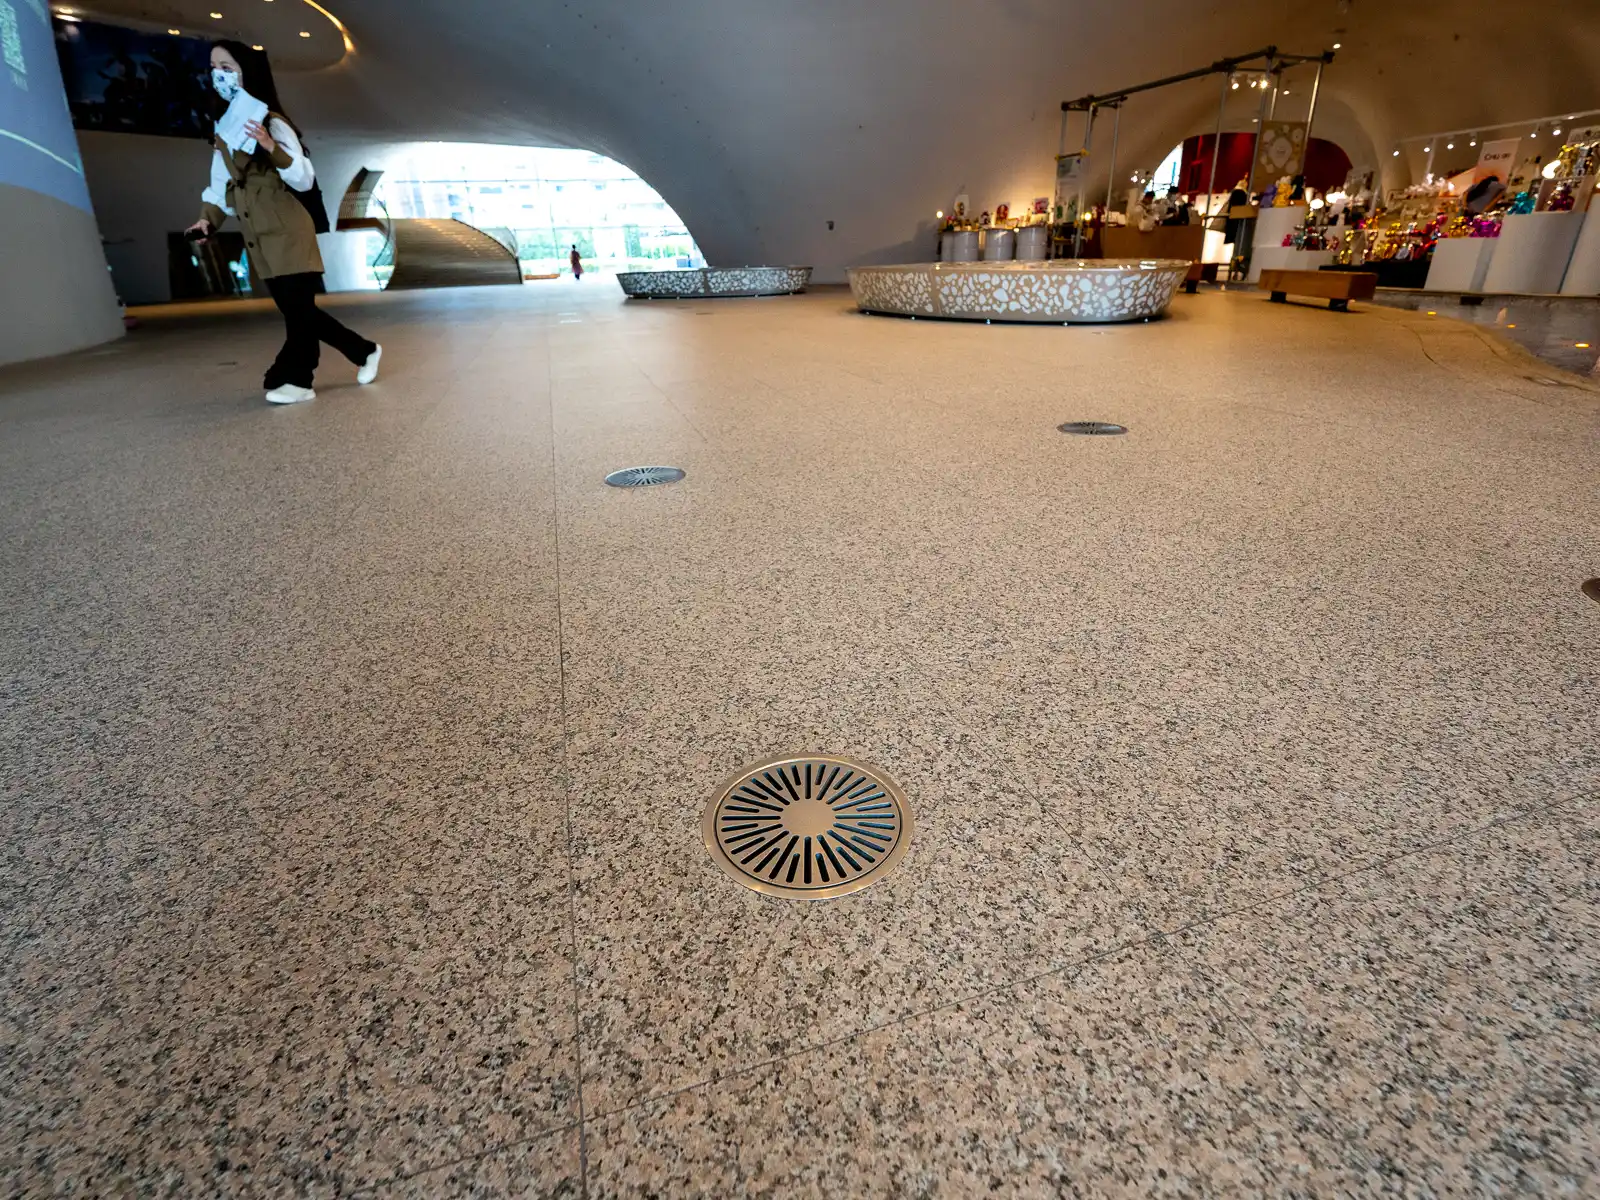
x,y
278,232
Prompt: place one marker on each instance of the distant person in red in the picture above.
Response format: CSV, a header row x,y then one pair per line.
x,y
577,263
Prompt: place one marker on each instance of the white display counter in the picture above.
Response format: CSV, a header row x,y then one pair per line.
x,y
1272,226
1583,272
1461,264
1287,258
1533,253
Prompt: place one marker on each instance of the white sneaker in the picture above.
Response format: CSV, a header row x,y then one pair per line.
x,y
289,393
369,369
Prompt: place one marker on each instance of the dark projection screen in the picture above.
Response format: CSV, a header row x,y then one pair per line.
x,y
38,148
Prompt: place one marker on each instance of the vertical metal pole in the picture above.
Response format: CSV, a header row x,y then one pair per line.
x,y
1111,181
1083,181
1250,186
1055,190
1316,86
1255,149
1311,115
1216,147
1277,82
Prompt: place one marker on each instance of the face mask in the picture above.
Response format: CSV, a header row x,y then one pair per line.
x,y
225,81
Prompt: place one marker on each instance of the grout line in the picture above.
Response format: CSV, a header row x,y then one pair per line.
x,y
566,778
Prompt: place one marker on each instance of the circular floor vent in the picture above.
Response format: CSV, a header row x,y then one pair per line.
x,y
808,827
1093,428
632,477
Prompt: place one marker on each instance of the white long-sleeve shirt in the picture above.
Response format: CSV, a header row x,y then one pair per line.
x,y
298,175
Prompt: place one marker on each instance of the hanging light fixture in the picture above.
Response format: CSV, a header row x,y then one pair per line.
x,y
1474,140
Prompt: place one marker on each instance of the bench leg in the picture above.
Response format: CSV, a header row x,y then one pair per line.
x,y
1191,286
1339,305
1280,297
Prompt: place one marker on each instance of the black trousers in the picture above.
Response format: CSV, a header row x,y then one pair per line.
x,y
305,327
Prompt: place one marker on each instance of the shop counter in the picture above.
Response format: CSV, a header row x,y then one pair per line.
x,y
1461,264
1534,251
1583,272
1286,258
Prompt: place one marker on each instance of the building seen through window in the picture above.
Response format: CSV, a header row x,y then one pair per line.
x,y
543,202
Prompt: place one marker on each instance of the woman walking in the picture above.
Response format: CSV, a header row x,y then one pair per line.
x,y
576,260
255,176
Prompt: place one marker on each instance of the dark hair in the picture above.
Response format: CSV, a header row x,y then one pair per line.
x,y
255,77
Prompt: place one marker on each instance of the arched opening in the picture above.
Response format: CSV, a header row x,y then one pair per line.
x,y
538,202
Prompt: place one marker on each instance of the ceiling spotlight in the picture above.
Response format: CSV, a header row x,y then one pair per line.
x,y
1427,149
1556,131
1535,132
305,33
1338,45
258,47
216,16
174,32
1474,140
1236,85
1397,154
1449,145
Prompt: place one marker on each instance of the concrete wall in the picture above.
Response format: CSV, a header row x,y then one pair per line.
x,y
55,292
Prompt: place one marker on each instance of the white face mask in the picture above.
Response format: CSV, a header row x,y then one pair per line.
x,y
226,81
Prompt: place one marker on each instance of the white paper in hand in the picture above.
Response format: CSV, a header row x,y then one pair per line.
x,y
242,109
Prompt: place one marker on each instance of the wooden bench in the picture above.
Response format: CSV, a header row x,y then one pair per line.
x,y
1337,287
1199,271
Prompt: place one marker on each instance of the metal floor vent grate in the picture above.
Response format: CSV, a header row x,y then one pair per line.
x,y
632,477
1093,428
808,827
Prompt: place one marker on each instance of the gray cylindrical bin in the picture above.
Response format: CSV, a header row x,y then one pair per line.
x,y
1032,243
999,245
961,245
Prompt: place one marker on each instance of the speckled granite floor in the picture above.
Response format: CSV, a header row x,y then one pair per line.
x,y
353,757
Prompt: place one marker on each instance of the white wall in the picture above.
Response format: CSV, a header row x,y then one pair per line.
x,y
55,292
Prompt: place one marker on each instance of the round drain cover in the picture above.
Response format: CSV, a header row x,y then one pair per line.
x,y
630,477
808,827
1091,427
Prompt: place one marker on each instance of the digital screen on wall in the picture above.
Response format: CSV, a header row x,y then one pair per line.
x,y
38,147
125,81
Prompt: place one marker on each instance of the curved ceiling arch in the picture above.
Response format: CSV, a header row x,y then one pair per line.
x,y
760,122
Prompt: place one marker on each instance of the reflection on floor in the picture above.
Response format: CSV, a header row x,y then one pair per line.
x,y
353,756
1564,331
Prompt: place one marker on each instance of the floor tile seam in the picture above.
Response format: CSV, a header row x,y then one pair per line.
x,y
1065,970
356,495
376,1186
1213,986
1243,1029
566,785
1425,848
667,397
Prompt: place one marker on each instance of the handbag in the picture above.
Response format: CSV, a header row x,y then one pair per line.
x,y
311,199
